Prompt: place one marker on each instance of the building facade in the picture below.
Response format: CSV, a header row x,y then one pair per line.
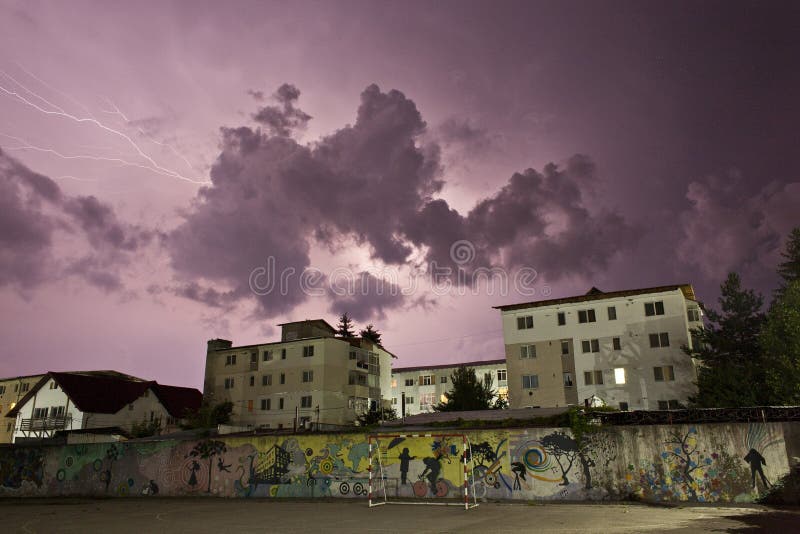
x,y
621,349
12,390
308,377
98,400
422,388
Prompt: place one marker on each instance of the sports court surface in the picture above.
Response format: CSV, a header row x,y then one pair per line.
x,y
222,515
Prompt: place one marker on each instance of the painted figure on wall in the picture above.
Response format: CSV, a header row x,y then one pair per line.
x,y
518,468
194,468
222,466
755,460
431,471
404,458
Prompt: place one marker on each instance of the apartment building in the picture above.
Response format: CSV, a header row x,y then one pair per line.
x,y
310,376
11,392
424,387
621,348
97,400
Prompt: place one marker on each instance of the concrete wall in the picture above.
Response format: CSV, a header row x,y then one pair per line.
x,y
703,463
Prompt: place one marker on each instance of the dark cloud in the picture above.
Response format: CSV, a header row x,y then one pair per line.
x,y
33,208
464,134
365,296
257,95
375,181
282,120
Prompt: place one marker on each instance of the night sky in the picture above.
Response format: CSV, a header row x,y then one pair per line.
x,y
154,156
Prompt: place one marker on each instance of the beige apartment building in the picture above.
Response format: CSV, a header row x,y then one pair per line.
x,y
424,387
621,349
309,377
12,390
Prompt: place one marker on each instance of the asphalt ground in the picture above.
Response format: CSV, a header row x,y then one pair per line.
x,y
337,516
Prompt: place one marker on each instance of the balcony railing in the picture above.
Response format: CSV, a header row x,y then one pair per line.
x,y
35,424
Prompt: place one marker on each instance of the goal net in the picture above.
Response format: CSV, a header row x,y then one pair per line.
x,y
429,469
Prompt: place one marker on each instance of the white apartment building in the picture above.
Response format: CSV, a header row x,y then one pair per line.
x,y
310,376
622,349
423,387
98,400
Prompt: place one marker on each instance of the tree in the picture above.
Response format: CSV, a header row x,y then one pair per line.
x,y
732,371
345,327
780,343
371,334
468,392
374,417
146,429
789,270
209,415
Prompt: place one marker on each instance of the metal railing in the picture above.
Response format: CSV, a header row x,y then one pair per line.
x,y
33,424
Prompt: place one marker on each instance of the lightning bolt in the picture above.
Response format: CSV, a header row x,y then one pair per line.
x,y
26,145
54,110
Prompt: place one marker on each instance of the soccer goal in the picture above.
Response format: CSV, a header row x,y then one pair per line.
x,y
432,469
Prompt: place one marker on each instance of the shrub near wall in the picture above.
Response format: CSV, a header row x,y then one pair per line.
x,y
664,463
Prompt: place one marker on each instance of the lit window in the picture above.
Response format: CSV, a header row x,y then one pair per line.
x,y
619,375
394,383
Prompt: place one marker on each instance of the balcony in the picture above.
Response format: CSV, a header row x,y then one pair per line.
x,y
45,424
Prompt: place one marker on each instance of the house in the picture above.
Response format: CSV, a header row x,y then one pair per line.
x,y
308,377
11,391
423,387
621,349
98,400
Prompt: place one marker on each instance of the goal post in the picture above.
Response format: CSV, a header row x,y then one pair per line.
x,y
428,469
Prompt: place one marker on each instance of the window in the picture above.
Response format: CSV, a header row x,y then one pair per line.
x,y
619,375
524,322
659,340
58,411
665,373
2,390
25,387
427,400
527,351
623,406
409,382
593,378
283,378
280,403
693,313
265,404
266,380
229,383
590,345
616,343
308,376
305,401
230,359
308,351
409,400
252,380
352,355
249,407
612,313
254,357
394,400
502,375
426,380
669,405
53,385
267,355
654,308
562,318
530,381
40,413
443,379
487,377
586,316
568,383
564,347
283,354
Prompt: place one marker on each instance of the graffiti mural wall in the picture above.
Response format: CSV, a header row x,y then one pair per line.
x,y
702,463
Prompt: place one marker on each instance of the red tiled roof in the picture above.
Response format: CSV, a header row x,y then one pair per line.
x,y
110,391
178,400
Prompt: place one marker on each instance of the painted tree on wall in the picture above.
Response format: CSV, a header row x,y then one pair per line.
x,y
207,450
564,449
683,447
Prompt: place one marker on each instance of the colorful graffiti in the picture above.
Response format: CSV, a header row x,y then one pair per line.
x,y
704,463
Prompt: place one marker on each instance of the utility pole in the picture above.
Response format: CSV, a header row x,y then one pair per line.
x,y
403,407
